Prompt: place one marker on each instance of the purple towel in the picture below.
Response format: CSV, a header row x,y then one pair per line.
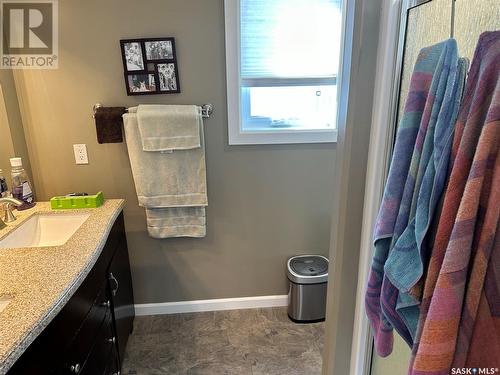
x,y
407,258
381,296
459,325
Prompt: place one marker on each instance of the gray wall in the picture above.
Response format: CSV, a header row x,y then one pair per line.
x,y
266,203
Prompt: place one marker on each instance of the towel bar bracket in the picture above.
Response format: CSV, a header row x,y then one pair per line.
x,y
207,110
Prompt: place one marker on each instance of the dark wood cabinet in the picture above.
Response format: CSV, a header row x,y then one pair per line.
x,y
90,333
122,299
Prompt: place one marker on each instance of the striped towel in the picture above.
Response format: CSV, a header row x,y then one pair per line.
x,y
381,296
407,259
459,324
444,82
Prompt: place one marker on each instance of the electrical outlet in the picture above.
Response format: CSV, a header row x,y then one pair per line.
x,y
81,156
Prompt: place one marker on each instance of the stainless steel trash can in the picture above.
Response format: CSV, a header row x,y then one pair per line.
x,y
308,276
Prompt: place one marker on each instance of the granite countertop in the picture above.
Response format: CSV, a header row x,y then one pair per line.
x,y
41,280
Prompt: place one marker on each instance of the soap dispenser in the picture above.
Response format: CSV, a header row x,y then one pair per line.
x,y
21,185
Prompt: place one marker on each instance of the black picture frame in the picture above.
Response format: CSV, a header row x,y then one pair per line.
x,y
150,56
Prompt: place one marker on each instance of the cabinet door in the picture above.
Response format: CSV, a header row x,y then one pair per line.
x,y
122,297
101,353
113,367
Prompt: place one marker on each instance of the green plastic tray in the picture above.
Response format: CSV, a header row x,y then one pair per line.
x,y
87,201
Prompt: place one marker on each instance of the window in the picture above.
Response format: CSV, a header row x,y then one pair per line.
x,y
282,60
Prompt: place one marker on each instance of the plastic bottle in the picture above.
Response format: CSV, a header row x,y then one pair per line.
x,y
4,188
21,185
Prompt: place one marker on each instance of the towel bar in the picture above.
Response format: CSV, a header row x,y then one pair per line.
x,y
206,110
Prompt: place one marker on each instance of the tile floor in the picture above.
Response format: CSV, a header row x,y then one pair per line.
x,y
247,342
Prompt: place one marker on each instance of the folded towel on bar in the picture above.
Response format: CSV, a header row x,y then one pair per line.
x,y
169,127
459,324
166,182
176,222
382,296
176,179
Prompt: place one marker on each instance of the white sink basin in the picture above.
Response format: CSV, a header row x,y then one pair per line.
x,y
42,230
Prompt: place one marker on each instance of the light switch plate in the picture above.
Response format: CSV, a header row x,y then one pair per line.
x,y
81,156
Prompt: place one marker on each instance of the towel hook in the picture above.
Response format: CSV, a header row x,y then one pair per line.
x,y
452,23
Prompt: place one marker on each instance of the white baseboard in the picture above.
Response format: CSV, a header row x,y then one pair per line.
x,y
210,305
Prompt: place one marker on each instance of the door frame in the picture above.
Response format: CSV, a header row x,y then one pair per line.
x,y
389,71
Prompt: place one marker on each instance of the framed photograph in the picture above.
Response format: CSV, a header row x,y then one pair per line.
x,y
141,84
168,81
161,49
150,66
133,56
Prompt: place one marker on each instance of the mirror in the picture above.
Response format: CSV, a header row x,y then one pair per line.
x,y
6,146
12,139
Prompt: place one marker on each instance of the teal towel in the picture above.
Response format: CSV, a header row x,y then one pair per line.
x,y
381,295
408,257
420,156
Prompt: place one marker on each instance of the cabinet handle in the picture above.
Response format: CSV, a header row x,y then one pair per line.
x,y
75,368
112,340
113,278
106,304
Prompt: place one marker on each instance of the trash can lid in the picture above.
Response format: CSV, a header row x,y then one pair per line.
x,y
308,269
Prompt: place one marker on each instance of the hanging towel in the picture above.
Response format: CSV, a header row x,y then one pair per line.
x,y
165,182
109,123
459,324
166,179
425,225
405,264
454,191
169,127
443,82
176,222
381,296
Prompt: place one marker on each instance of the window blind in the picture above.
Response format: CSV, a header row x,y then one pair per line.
x,y
289,38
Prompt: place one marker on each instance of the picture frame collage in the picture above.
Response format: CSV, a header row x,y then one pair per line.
x,y
150,66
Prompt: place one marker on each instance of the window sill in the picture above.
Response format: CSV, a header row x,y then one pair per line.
x,y
282,137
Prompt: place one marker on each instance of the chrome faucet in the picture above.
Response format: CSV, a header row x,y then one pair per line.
x,y
7,204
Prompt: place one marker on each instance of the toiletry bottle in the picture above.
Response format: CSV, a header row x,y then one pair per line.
x,y
21,186
4,189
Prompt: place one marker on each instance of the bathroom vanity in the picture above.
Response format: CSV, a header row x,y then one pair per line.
x,y
73,312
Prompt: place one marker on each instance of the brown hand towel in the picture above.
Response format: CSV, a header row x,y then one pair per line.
x,y
108,122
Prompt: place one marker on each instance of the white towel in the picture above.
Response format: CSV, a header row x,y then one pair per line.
x,y
176,179
171,186
169,127
176,222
